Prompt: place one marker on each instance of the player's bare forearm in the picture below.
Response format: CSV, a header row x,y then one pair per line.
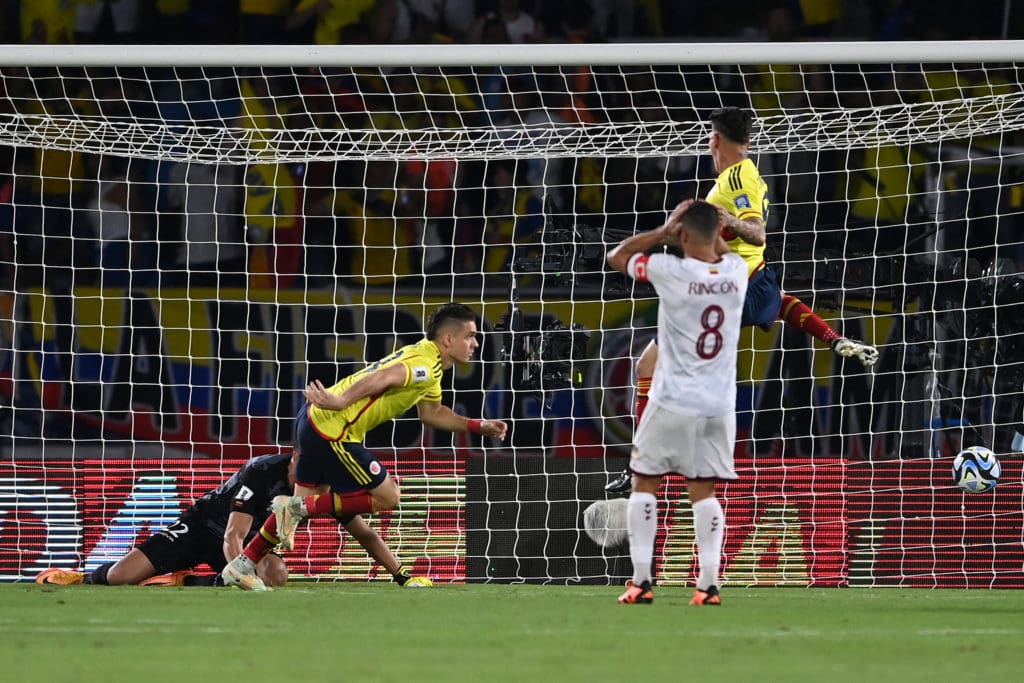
x,y
618,258
232,548
750,230
318,395
237,527
441,416
373,384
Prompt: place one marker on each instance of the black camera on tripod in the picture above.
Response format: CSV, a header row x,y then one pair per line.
x,y
574,257
561,255
541,352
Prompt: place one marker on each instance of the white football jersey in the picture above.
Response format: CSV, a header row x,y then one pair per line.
x,y
699,310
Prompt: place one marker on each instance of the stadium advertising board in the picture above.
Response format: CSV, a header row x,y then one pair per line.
x,y
84,513
787,525
820,523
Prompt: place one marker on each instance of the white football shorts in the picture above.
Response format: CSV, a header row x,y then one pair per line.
x,y
694,446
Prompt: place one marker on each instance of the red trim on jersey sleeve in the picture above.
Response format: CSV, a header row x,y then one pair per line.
x,y
637,267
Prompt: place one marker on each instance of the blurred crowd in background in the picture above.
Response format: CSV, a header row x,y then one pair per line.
x,y
85,219
915,225
475,21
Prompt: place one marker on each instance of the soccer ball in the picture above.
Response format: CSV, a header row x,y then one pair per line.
x,y
976,469
605,522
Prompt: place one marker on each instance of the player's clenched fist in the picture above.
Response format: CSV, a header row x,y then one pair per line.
x,y
495,428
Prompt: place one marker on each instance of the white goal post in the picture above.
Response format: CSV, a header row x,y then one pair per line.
x,y
189,234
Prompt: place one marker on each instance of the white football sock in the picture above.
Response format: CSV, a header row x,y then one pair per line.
x,y
709,525
643,525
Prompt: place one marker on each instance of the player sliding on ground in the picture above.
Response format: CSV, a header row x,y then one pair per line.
x,y
690,425
336,475
741,196
214,529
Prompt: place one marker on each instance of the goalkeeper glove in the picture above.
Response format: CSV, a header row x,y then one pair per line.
x,y
403,578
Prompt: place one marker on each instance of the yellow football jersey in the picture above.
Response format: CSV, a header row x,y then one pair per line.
x,y
741,191
422,362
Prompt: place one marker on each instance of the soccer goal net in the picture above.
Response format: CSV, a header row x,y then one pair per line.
x,y
190,235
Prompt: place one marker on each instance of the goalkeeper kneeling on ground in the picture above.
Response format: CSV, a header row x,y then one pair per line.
x,y
215,528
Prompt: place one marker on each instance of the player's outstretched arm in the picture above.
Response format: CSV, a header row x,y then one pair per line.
x,y
440,416
373,384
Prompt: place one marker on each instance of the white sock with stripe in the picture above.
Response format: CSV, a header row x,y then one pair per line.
x,y
709,526
643,526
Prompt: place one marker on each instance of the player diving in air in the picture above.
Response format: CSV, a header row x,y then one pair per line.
x,y
336,475
741,196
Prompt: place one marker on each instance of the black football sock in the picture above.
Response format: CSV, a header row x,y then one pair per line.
x,y
98,576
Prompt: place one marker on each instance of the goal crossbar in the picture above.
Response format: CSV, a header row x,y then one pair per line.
x,y
615,54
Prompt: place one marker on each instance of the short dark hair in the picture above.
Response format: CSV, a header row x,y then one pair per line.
x,y
448,313
702,218
734,123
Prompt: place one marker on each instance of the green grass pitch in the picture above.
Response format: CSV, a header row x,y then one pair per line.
x,y
532,634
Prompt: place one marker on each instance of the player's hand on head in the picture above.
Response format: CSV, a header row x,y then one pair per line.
x,y
495,428
723,223
681,208
673,224
672,230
